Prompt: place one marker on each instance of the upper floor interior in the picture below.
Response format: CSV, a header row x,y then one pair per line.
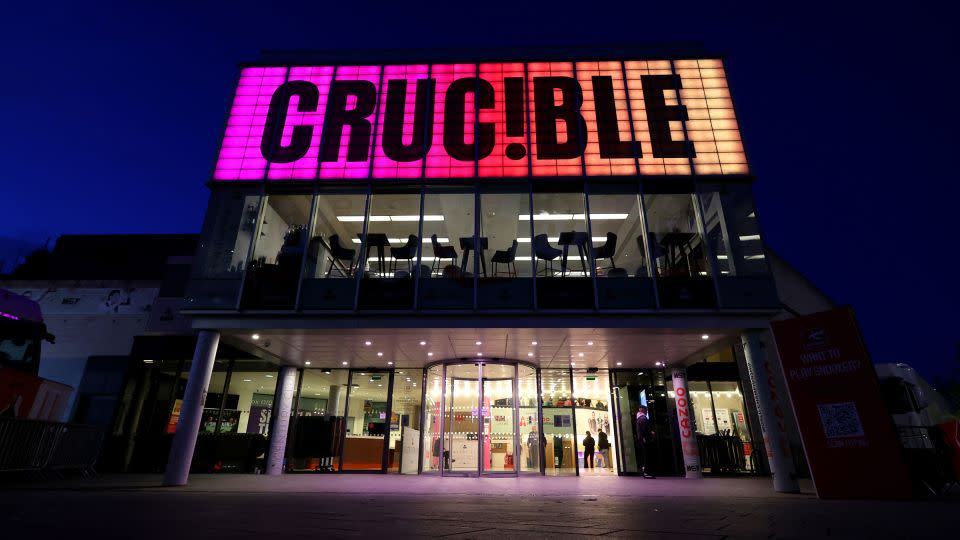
x,y
568,244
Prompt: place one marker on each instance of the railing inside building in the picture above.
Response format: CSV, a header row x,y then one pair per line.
x,y
35,446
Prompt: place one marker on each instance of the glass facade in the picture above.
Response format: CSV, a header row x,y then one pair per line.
x,y
460,248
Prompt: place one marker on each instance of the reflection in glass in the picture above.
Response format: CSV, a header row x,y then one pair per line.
x,y
335,240
274,269
677,249
405,422
559,443
315,445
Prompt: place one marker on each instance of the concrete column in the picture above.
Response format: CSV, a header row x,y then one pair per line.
x,y
280,420
688,440
333,400
770,409
191,411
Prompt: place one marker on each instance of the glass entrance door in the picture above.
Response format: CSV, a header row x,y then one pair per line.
x,y
367,421
498,418
479,420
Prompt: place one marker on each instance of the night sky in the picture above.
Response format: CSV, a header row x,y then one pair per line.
x,y
850,117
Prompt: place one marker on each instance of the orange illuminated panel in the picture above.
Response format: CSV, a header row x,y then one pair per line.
x,y
306,166
400,163
440,164
712,125
650,164
510,154
347,166
610,144
548,166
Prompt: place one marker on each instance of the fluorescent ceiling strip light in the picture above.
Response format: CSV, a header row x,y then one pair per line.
x,y
749,237
426,242
398,218
754,257
557,239
543,216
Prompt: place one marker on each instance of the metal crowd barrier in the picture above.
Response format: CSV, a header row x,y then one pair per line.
x,y
35,445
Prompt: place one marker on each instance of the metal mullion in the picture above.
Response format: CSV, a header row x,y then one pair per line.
x,y
516,419
346,415
423,418
707,250
223,395
651,263
384,463
615,419
589,257
261,207
376,125
306,247
362,261
573,409
323,137
541,448
443,413
480,418
415,275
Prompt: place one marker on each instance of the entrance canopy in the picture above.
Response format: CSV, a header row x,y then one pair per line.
x,y
417,347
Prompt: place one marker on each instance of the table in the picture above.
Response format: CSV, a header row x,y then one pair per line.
x,y
673,244
466,244
578,239
379,241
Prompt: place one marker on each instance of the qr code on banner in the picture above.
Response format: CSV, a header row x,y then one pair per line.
x,y
840,420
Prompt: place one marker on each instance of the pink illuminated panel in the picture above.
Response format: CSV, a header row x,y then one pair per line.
x,y
303,123
240,156
439,162
343,168
305,167
649,164
542,166
511,126
383,165
617,136
712,125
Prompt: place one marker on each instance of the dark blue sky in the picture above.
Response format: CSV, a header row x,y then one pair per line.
x,y
111,117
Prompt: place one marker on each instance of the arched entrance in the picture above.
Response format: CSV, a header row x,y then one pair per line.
x,y
481,417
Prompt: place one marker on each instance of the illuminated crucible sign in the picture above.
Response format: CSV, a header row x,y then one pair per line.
x,y
610,118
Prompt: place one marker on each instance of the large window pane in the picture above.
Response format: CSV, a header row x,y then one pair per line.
x,y
274,269
449,255
559,439
215,397
333,252
530,437
562,250
252,386
505,226
228,228
405,422
319,424
393,246
367,422
619,251
432,417
591,393
677,251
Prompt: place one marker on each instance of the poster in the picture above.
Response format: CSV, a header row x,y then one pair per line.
x,y
848,436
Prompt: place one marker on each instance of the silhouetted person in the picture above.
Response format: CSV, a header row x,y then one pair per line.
x,y
588,447
643,435
603,445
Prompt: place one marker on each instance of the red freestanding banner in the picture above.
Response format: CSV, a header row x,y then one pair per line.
x,y
848,436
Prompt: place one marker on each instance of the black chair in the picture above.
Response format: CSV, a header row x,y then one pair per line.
x,y
340,253
608,250
508,258
543,250
406,252
440,253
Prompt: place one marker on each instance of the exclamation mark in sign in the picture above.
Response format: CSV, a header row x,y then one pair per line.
x,y
513,96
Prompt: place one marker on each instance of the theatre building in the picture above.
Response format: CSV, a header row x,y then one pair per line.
x,y
460,266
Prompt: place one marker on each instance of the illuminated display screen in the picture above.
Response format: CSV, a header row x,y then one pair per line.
x,y
591,118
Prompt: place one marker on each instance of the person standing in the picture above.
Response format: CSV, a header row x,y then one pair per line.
x,y
589,444
643,435
603,445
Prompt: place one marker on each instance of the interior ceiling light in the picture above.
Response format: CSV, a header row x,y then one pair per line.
x,y
590,343
398,218
307,362
389,363
379,354
429,354
367,343
619,363
529,354
705,336
580,355
544,216
255,336
344,363
422,343
479,343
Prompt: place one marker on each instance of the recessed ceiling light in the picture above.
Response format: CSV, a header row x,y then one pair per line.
x,y
255,336
705,336
380,385
590,343
658,364
534,343
429,354
367,343
307,362
147,361
529,354
247,380
389,363
422,343
269,376
619,363
479,343
379,354
344,363
573,363
580,355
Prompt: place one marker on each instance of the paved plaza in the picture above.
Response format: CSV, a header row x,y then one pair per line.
x,y
378,506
